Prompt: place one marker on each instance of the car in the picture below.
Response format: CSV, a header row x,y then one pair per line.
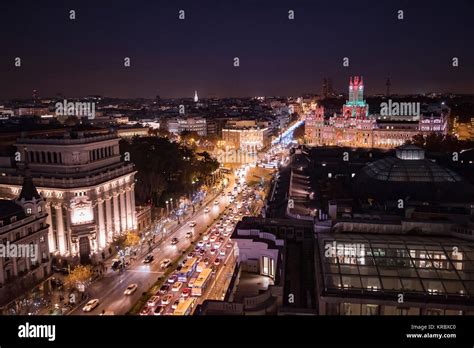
x,y
202,252
205,237
217,262
172,278
146,311
206,210
213,251
190,255
189,234
166,299
217,245
174,241
164,289
165,263
192,224
200,244
175,304
197,248
186,292
153,301
229,245
213,239
130,289
208,244
177,286
148,259
191,282
226,233
221,240
222,252
216,202
91,305
159,310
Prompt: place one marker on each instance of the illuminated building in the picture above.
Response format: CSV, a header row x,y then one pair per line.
x,y
89,191
354,127
23,225
188,124
248,136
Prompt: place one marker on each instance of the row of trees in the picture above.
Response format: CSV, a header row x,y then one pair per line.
x,y
165,168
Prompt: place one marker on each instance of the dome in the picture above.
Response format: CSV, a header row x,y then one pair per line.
x,y
409,174
409,170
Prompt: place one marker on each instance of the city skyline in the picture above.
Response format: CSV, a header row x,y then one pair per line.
x,y
278,56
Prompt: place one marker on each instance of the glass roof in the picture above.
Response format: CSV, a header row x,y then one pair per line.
x,y
409,264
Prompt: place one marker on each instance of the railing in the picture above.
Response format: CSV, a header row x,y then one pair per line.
x,y
68,141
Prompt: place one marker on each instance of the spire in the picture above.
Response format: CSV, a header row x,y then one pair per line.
x,y
28,190
196,99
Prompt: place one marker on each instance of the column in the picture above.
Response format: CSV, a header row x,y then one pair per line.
x,y
123,211
116,215
51,243
60,228
102,237
129,208
108,217
132,200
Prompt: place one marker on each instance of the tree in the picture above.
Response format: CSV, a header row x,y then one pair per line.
x,y
298,133
132,239
79,277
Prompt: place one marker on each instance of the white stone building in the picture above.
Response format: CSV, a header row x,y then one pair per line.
x,y
89,191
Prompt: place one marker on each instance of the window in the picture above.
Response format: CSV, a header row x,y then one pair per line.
x,y
42,239
13,219
28,211
40,209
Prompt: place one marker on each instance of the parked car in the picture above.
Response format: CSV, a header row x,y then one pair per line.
x,y
159,310
177,286
153,301
174,241
164,289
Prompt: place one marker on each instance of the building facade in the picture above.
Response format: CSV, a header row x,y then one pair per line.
x,y
354,127
247,136
25,258
89,191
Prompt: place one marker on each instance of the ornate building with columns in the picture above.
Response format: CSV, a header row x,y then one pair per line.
x,y
89,191
355,127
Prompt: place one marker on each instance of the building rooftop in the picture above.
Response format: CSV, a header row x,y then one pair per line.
x,y
437,268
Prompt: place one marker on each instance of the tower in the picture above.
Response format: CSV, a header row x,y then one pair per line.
x,y
196,99
356,107
29,198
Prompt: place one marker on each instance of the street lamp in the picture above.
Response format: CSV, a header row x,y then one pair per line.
x,y
167,209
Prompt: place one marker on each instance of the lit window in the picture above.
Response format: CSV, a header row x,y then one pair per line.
x,y
28,211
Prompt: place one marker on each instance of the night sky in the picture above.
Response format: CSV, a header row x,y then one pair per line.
x,y
173,57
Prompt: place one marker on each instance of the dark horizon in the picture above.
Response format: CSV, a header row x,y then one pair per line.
x,y
278,56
